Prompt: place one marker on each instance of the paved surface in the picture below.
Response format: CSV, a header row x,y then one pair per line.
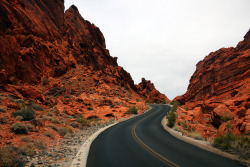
x,y
142,142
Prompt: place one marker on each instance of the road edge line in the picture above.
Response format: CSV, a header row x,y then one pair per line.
x,y
82,155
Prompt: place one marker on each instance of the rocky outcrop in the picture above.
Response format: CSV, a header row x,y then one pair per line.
x,y
220,86
37,39
149,92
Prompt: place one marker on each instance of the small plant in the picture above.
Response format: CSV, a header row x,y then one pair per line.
x,y
112,105
171,116
226,118
49,134
54,120
132,110
178,129
9,157
83,122
2,109
25,138
74,124
4,120
195,135
53,126
27,113
30,127
26,150
40,145
65,131
238,145
37,107
19,118
19,128
90,108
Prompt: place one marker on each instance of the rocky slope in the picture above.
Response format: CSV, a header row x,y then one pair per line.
x,y
218,95
149,92
57,75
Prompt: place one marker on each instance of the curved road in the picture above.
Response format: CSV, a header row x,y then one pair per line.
x,y
142,142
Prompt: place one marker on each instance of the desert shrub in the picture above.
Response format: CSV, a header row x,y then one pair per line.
x,y
19,118
223,141
39,144
241,147
238,145
49,134
27,113
132,110
112,105
4,120
52,126
175,106
226,118
83,122
30,127
171,116
90,108
2,109
10,158
195,135
178,129
26,150
25,138
65,131
74,124
19,128
55,120
37,107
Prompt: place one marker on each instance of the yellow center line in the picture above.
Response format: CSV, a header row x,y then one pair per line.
x,y
147,148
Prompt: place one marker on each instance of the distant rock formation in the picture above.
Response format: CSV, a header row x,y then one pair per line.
x,y
220,88
149,92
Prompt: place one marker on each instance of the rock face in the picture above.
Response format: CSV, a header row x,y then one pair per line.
x,y
149,92
57,62
39,40
221,87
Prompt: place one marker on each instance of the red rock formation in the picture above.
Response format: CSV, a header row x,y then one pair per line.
x,y
149,92
221,87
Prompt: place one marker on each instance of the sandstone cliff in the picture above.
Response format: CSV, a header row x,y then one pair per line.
x,y
218,94
149,92
58,62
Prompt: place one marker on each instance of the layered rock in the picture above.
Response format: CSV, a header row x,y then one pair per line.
x,y
150,93
57,62
220,86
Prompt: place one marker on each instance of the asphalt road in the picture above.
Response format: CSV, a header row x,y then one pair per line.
x,y
142,142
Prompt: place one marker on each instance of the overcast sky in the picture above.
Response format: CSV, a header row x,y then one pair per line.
x,y
163,40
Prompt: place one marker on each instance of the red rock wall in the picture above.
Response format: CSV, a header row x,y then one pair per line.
x,y
220,86
37,39
149,92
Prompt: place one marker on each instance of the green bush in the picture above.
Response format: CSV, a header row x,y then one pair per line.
x,y
171,116
132,110
52,126
65,131
2,109
83,122
10,158
39,144
25,138
238,145
19,128
37,107
74,124
49,134
19,118
195,135
26,150
175,106
27,113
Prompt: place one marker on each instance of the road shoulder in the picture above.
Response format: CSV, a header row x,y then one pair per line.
x,y
201,144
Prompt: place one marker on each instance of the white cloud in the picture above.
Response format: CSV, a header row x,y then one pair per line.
x,y
162,40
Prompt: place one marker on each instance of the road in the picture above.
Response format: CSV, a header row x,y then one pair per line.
x,y
142,142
